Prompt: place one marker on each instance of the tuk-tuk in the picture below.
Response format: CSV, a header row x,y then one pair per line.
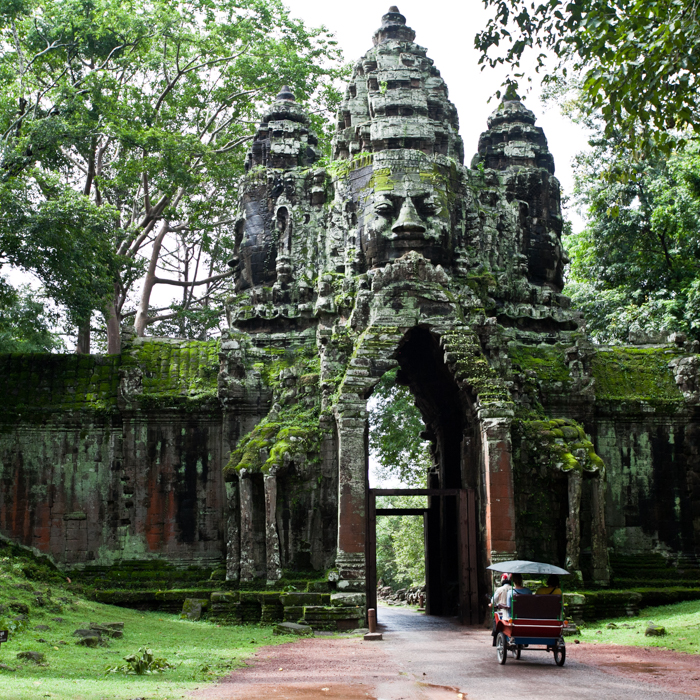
x,y
533,622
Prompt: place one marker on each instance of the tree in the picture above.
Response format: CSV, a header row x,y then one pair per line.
x,y
397,448
395,425
25,322
635,268
637,62
400,544
141,111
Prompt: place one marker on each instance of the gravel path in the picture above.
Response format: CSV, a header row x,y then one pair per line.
x,y
426,658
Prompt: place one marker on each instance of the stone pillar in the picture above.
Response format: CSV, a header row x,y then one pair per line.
x,y
272,540
573,524
498,478
247,569
599,538
352,484
233,532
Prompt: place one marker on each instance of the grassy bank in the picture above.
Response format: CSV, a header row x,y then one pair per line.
x,y
681,620
198,651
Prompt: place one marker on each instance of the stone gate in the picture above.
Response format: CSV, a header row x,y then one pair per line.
x,y
248,455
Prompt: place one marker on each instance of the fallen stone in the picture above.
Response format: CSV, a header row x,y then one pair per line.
x,y
42,628
293,628
57,619
611,626
21,608
108,625
86,633
38,657
654,630
91,642
192,608
108,630
5,667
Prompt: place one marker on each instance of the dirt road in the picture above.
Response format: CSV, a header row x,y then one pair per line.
x,y
424,658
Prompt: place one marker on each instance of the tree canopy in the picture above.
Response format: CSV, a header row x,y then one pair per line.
x,y
636,62
395,425
635,268
122,129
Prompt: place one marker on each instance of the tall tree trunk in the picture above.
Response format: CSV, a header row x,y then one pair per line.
x,y
83,345
141,321
114,338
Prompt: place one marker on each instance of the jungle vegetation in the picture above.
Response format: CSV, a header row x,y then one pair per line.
x,y
402,459
123,126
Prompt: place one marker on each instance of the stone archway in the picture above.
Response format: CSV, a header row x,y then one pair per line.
x,y
466,408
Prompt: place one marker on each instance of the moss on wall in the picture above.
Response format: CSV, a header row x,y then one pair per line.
x,y
291,431
635,374
187,368
560,443
43,382
547,361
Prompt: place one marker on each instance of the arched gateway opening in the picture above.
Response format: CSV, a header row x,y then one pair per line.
x,y
453,541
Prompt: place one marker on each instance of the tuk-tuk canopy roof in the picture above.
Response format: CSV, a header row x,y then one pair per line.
x,y
520,566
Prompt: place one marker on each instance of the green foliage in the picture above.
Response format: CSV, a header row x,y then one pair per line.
x,y
121,120
25,321
400,544
635,270
142,662
394,427
637,62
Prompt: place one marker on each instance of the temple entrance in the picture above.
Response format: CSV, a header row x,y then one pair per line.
x,y
462,547
450,480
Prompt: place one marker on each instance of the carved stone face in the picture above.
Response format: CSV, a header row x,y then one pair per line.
x,y
405,211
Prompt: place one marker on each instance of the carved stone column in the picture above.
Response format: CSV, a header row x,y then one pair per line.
x,y
233,532
272,540
573,524
247,568
599,539
498,478
352,484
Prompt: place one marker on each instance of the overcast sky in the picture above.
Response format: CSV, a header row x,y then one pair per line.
x,y
446,28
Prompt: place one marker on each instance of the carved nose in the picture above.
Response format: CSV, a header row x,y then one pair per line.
x,y
408,220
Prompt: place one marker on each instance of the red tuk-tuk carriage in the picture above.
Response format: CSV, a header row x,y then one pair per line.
x,y
533,622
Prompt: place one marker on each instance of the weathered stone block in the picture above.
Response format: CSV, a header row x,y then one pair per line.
x,y
192,608
294,628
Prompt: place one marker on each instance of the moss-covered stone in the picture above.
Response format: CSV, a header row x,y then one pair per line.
x,y
636,374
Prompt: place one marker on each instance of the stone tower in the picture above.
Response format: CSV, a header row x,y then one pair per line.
x,y
394,254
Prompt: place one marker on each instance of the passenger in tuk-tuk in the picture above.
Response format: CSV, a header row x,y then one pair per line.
x,y
518,589
499,601
552,587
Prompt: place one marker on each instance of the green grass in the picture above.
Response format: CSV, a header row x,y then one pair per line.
x,y
681,620
200,651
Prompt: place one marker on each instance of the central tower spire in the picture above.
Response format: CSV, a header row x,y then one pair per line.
x,y
396,99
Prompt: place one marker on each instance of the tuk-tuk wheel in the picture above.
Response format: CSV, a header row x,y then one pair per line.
x,y
501,648
559,652
517,650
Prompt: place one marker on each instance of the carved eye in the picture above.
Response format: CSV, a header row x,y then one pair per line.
x,y
384,207
430,206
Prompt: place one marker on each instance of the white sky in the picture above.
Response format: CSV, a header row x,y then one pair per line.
x,y
446,28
